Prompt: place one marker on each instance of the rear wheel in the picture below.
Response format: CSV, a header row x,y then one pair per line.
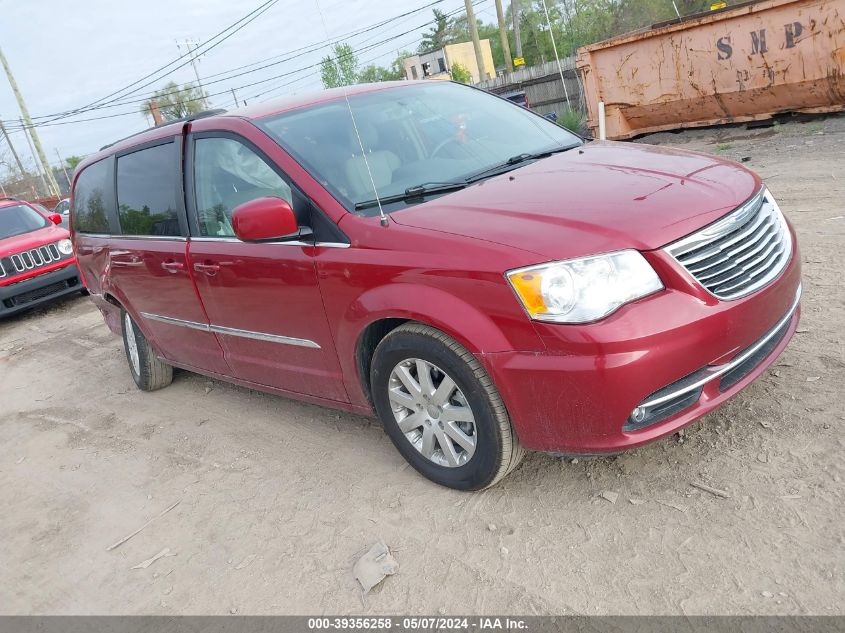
x,y
148,372
441,410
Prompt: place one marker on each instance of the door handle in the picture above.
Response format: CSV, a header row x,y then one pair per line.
x,y
126,260
208,269
173,267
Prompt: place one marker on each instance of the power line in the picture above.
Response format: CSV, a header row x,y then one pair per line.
x,y
249,17
324,44
231,73
312,75
248,85
252,84
373,59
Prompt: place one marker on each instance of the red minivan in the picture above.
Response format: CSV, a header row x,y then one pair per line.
x,y
480,278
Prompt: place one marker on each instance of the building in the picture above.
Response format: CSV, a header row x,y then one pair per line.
x,y
438,64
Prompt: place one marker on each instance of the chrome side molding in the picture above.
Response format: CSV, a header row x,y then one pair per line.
x,y
230,331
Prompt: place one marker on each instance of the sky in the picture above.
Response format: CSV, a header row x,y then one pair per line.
x,y
65,55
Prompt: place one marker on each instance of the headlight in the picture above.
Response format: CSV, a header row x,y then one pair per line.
x,y
65,247
584,289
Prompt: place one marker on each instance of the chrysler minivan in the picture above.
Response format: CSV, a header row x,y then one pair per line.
x,y
481,279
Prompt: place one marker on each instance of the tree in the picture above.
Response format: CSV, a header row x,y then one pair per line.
x,y
438,35
175,102
461,74
373,73
340,68
73,161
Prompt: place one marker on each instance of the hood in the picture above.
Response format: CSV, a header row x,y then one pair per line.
x,y
602,197
33,239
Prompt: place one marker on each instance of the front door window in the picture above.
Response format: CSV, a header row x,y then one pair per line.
x,y
228,173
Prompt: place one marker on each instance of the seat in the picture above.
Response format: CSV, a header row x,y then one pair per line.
x,y
382,163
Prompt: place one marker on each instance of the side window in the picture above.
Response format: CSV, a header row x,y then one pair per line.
x,y
228,173
89,199
148,191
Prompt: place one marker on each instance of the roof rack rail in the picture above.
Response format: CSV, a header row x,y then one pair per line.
x,y
2,198
186,119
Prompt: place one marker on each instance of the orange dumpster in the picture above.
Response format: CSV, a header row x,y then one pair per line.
x,y
742,63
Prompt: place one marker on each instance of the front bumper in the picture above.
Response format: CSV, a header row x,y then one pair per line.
x,y
578,396
34,291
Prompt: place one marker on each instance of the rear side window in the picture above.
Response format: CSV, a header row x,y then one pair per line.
x,y
89,199
148,191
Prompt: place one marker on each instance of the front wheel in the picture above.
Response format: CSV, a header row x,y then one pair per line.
x,y
148,372
441,409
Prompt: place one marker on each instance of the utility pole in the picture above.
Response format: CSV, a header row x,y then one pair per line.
x,y
155,112
64,169
235,97
473,31
196,72
12,147
517,36
29,128
503,35
35,158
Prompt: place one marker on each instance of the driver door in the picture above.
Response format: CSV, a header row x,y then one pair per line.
x,y
262,299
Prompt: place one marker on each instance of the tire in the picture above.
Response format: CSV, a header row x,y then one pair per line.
x,y
485,450
148,372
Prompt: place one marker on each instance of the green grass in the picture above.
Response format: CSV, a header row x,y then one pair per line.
x,y
723,147
572,120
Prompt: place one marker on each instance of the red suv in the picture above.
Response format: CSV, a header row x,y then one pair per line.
x,y
480,278
36,257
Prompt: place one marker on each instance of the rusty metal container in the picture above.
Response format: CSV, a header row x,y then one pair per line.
x,y
742,63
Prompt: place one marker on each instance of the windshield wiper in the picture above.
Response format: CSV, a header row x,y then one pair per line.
x,y
420,191
417,191
517,160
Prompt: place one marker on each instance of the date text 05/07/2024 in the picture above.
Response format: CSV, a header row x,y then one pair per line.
x,y
417,623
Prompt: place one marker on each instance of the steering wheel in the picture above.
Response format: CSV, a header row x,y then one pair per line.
x,y
442,144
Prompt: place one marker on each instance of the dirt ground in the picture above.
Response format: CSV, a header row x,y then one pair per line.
x,y
276,499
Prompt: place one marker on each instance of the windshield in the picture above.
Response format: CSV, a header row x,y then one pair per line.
x,y
18,219
412,135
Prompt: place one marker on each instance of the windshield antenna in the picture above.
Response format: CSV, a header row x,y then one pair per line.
x,y
383,218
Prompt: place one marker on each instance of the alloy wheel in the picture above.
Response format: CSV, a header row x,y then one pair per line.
x,y
432,412
132,345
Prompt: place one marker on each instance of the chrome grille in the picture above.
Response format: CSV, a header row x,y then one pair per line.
x,y
29,260
740,253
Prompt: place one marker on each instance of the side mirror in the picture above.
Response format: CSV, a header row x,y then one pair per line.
x,y
264,219
55,218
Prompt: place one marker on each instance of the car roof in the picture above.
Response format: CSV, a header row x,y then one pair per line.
x,y
292,102
250,112
10,202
